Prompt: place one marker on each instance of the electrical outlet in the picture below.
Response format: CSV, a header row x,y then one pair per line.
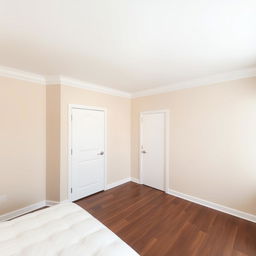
x,y
3,198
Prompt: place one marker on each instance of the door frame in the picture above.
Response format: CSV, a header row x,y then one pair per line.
x,y
166,113
75,106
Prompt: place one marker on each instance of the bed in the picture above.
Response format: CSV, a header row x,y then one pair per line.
x,y
65,230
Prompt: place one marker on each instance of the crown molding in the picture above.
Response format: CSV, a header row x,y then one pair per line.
x,y
218,78
21,75
50,80
47,80
84,85
93,87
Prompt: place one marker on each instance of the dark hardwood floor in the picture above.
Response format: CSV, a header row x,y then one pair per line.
x,y
154,223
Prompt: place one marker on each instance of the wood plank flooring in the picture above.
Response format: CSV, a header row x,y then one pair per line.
x,y
154,223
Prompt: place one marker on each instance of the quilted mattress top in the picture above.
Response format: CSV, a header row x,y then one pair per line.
x,y
65,230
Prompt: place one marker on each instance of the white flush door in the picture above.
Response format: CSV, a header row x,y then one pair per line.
x,y
152,150
88,156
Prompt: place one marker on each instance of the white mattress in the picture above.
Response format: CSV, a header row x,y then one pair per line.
x,y
65,229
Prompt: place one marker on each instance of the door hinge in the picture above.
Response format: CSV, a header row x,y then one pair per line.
x,y
71,190
71,151
71,117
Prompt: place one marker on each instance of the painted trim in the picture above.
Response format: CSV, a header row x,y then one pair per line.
x,y
57,79
135,180
29,208
65,201
24,210
218,207
166,113
21,75
203,81
93,87
117,183
70,107
49,80
51,203
68,81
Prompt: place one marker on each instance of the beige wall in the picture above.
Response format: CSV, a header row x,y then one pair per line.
x,y
22,144
53,142
34,140
118,132
212,141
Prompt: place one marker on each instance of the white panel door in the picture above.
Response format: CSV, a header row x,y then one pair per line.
x,y
88,158
153,150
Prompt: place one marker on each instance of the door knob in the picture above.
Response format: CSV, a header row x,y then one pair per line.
x,y
143,151
101,153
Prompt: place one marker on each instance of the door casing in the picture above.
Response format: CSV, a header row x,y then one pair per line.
x,y
74,106
166,146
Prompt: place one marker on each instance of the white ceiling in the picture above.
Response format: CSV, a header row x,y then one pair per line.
x,y
129,45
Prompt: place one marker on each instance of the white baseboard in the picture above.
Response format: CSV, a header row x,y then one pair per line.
x,y
30,208
65,201
33,207
51,203
218,207
135,180
117,183
19,212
